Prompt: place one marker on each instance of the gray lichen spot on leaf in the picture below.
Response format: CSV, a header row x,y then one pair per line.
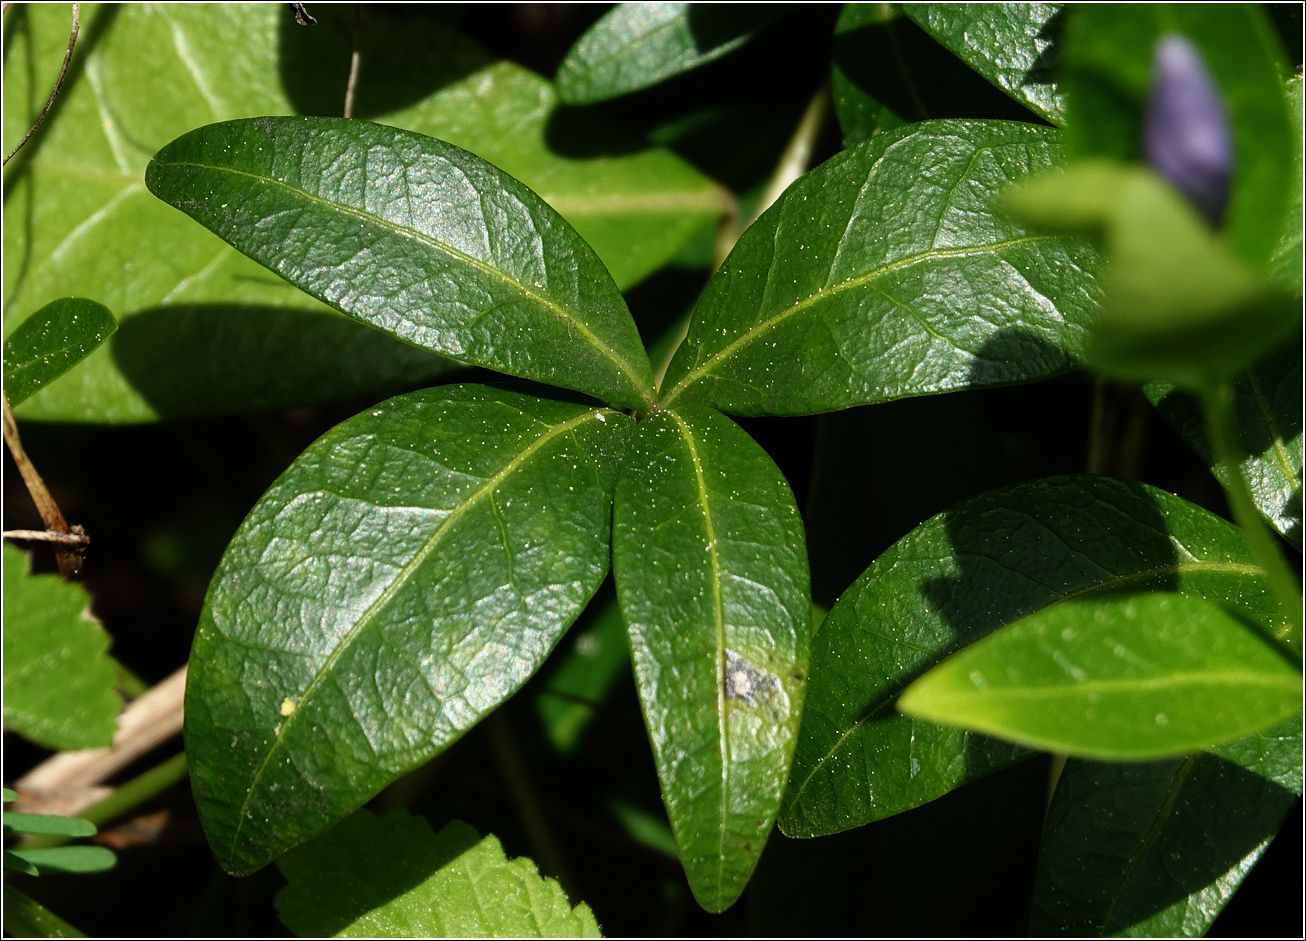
x,y
749,684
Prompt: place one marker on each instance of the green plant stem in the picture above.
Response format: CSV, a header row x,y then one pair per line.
x,y
795,160
1228,451
797,156
127,681
27,918
538,832
130,795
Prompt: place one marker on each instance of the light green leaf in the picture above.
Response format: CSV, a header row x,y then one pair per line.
x,y
52,341
1137,677
417,238
871,280
711,572
204,329
1156,849
402,578
58,679
392,877
68,858
1106,76
984,563
16,863
47,824
1179,305
1013,45
1267,413
636,45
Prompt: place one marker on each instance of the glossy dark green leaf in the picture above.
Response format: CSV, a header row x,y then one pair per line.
x,y
416,237
392,877
1157,849
27,918
402,578
69,858
712,577
1013,45
636,45
58,678
204,329
890,271
1134,677
886,72
1106,77
986,562
864,38
52,341
1267,413
1286,261
1179,306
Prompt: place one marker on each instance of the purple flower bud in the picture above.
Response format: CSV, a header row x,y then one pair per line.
x,y
1186,131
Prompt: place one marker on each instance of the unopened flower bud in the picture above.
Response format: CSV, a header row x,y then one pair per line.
x,y
1186,130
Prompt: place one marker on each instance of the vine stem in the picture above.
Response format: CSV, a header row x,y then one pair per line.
x,y
797,156
1217,403
544,846
68,557
124,798
146,723
795,160
67,59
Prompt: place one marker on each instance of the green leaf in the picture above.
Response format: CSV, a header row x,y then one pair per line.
x,y
887,72
416,237
69,858
1285,267
1179,305
1013,45
47,824
1106,76
962,574
52,341
1156,849
872,280
392,877
205,329
597,657
1267,413
711,572
1141,676
402,578
58,678
636,45
27,918
202,329
18,864
10,795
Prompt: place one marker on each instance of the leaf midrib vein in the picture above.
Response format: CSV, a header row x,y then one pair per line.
x,y
780,317
400,580
558,310
1152,834
719,616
